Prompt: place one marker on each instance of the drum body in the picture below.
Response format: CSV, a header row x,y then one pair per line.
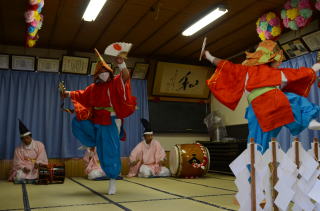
x,y
189,160
51,174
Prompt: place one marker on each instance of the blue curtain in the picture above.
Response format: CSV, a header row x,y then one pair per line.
x,y
33,97
306,136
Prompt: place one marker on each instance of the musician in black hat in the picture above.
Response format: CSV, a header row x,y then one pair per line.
x,y
147,159
27,157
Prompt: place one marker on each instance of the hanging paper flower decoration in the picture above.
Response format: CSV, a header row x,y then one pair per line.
x,y
34,21
296,14
317,5
269,26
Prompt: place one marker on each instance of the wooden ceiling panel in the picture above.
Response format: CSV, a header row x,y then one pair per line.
x,y
127,18
13,20
177,45
2,23
199,7
179,41
153,26
50,12
248,34
160,14
174,6
146,27
230,45
68,21
229,28
217,31
90,33
142,3
172,29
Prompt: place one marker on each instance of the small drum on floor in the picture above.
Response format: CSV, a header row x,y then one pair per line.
x,y
189,160
51,174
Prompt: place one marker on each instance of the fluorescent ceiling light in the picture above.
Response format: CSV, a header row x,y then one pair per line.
x,y
212,16
93,9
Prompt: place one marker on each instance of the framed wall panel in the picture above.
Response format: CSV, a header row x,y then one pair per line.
x,y
77,65
26,63
4,61
48,65
181,80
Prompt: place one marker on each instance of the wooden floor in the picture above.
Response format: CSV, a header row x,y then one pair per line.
x,y
214,192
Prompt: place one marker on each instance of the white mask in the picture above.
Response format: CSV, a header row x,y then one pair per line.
x,y
104,76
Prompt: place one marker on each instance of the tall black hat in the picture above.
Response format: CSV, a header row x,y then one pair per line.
x,y
23,130
147,127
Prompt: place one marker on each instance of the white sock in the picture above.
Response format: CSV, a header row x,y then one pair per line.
x,y
209,56
112,187
314,125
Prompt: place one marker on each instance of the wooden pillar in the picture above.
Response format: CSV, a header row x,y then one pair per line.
x,y
296,149
274,172
316,149
252,174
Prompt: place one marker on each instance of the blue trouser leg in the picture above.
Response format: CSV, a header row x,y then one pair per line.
x,y
108,149
303,110
105,138
84,131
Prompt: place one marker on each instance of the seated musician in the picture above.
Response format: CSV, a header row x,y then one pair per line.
x,y
27,158
147,159
92,164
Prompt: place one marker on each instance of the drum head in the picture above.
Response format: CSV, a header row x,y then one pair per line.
x,y
208,164
174,160
188,160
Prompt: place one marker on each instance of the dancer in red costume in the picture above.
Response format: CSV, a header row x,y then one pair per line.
x,y
276,96
99,110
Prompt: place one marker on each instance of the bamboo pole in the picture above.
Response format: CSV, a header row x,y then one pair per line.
x,y
316,151
252,174
316,148
296,149
274,172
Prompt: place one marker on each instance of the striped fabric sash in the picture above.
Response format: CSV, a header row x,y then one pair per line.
x,y
110,109
257,92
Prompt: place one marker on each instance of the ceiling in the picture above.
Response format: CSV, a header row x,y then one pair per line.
x,y
153,26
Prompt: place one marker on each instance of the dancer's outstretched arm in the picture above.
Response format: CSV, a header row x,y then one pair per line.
x,y
316,67
122,66
212,59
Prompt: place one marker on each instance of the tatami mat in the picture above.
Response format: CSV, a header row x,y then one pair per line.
x,y
125,191
214,192
226,201
221,176
172,205
180,188
68,193
11,196
225,184
94,207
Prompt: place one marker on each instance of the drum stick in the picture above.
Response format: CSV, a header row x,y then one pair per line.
x,y
203,48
